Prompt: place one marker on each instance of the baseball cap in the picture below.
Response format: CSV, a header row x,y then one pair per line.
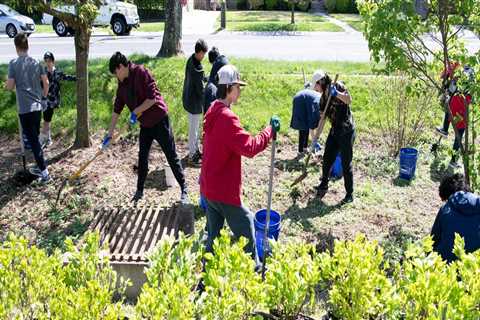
x,y
228,74
48,55
318,75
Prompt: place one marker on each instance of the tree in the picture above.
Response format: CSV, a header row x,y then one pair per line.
x,y
294,3
172,34
423,46
81,21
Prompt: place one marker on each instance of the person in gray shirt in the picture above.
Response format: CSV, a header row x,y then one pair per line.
x,y
27,77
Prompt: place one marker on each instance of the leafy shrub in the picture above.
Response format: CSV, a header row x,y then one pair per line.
x,y
291,279
254,4
330,5
427,286
357,284
346,6
233,290
174,271
150,4
271,4
34,285
406,111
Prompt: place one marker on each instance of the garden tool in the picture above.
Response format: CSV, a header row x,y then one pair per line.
x,y
269,207
317,134
77,173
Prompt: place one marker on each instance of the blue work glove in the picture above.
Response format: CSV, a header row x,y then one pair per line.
x,y
333,91
275,123
133,118
106,142
316,147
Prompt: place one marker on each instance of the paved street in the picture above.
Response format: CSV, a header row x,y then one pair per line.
x,y
325,46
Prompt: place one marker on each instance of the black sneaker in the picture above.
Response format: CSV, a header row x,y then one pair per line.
x,y
196,158
321,191
138,195
442,132
348,199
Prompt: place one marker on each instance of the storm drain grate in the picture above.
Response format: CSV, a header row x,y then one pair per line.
x,y
131,232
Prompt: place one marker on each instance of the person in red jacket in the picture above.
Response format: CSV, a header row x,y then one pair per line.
x,y
224,144
458,108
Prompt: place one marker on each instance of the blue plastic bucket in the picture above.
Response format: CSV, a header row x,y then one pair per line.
x,y
337,170
26,142
202,203
273,228
408,163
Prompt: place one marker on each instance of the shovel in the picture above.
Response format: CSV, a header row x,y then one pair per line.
x,y
266,248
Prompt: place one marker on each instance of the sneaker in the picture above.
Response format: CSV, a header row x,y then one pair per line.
x,y
184,196
348,199
442,132
321,191
45,141
36,171
453,165
196,158
44,179
137,196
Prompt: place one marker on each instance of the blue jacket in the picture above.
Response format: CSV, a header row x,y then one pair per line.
x,y
460,214
210,96
217,65
305,110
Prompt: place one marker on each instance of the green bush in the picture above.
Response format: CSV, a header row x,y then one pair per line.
x,y
174,271
271,4
341,6
330,5
150,4
34,285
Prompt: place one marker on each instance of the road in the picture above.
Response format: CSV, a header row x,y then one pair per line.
x,y
321,46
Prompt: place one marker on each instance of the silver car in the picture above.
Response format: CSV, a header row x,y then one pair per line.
x,y
13,23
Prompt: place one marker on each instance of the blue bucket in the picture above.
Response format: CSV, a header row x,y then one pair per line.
x,y
337,170
408,163
273,228
202,203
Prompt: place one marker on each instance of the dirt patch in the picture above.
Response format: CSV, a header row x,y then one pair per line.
x,y
111,180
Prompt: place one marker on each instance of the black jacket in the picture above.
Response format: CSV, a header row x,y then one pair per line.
x,y
339,113
460,214
193,86
217,64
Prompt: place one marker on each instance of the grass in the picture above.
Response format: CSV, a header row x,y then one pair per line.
x,y
354,20
271,21
144,27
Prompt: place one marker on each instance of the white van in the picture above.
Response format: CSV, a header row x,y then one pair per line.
x,y
121,16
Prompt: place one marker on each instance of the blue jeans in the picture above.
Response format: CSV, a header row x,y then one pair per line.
x,y
240,221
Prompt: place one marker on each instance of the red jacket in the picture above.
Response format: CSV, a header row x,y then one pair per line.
x,y
459,109
224,144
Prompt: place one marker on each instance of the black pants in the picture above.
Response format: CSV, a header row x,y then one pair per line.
x,y
161,132
344,145
302,140
446,122
48,114
31,127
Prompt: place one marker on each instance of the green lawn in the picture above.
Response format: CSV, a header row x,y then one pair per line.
x,y
354,20
144,27
277,21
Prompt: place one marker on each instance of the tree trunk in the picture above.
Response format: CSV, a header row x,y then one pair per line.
x,y
82,44
172,35
293,13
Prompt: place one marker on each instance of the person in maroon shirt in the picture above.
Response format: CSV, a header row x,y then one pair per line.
x,y
139,92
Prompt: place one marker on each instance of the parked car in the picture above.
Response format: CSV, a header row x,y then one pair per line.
x,y
121,16
13,23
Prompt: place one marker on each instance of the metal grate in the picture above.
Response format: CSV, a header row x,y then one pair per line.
x,y
131,232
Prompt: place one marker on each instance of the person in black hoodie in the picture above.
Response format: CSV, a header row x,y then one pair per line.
x,y
460,214
217,61
193,99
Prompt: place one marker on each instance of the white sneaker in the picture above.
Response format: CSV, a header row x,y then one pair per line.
x,y
35,171
44,179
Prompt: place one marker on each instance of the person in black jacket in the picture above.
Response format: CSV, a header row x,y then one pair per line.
x,y
460,214
217,62
342,133
53,99
193,95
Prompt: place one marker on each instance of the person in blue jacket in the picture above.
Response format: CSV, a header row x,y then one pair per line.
x,y
460,214
218,61
305,115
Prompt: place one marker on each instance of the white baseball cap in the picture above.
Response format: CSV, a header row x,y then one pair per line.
x,y
318,75
228,74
